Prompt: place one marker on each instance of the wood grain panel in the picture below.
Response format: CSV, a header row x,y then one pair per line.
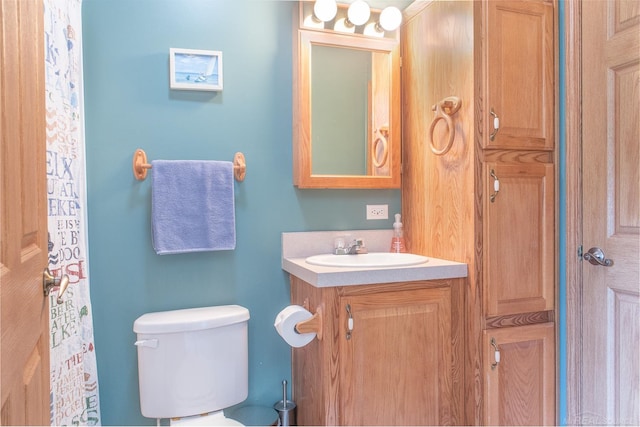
x,y
609,164
625,14
402,366
314,378
520,156
519,267
520,389
438,63
626,85
410,329
573,203
34,385
23,200
519,319
441,195
522,74
625,345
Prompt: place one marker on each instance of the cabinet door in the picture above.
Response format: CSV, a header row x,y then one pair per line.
x,y
518,243
396,363
520,75
520,388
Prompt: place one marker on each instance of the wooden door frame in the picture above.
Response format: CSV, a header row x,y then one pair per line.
x,y
573,208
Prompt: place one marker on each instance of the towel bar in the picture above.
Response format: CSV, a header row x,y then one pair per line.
x,y
140,165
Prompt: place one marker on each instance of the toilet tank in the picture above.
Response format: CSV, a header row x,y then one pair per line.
x,y
192,361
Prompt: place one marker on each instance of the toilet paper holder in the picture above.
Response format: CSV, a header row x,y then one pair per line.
x,y
311,325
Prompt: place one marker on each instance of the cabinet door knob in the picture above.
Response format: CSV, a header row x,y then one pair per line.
x,y
349,321
496,125
496,354
496,186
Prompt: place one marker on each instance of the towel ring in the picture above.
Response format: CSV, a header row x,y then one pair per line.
x,y
383,135
444,110
141,166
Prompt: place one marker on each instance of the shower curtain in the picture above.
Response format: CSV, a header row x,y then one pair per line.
x,y
74,376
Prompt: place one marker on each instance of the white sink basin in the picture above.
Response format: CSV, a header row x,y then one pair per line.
x,y
373,259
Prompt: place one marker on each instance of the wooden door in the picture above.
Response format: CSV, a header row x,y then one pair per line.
x,y
519,245
396,363
610,376
520,75
519,384
23,247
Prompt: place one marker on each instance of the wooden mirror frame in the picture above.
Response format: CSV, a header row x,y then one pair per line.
x,y
302,162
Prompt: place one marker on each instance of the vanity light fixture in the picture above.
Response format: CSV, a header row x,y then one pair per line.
x,y
358,14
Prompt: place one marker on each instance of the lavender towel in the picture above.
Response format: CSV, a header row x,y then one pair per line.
x,y
192,206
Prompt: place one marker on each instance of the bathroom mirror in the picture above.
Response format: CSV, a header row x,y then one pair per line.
x,y
346,112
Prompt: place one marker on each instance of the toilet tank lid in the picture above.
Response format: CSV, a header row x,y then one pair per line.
x,y
190,319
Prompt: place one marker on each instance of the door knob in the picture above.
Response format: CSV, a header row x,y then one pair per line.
x,y
51,283
596,257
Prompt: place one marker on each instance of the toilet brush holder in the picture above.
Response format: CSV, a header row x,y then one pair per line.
x,y
285,408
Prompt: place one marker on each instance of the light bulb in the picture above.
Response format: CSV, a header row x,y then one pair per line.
x,y
325,10
344,26
390,18
373,29
358,12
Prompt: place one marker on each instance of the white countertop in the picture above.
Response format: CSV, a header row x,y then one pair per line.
x,y
296,247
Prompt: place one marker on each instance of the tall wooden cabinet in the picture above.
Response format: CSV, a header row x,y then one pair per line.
x,y
491,200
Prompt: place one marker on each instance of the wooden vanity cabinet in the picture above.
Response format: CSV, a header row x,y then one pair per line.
x,y
396,366
491,200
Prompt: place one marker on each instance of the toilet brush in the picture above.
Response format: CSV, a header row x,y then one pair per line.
x,y
286,408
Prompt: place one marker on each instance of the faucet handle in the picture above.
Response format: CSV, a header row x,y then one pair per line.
x,y
358,247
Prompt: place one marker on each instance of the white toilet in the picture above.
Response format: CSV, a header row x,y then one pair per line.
x,y
193,363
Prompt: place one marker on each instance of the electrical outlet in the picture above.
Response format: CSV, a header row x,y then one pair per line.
x,y
377,211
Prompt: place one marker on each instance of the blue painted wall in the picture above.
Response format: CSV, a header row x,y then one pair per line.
x,y
562,206
128,105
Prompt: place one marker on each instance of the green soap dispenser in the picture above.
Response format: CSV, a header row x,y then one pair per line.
x,y
397,241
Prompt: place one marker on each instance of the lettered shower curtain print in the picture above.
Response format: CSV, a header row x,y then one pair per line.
x,y
74,375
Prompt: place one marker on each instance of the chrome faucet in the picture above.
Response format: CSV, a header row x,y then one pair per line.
x,y
355,247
